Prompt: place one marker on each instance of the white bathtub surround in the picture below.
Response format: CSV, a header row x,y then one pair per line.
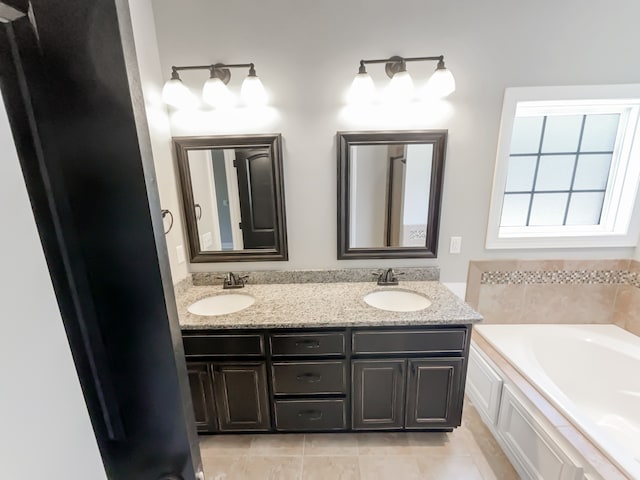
x,y
588,373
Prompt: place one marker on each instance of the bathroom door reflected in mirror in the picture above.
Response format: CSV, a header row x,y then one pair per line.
x,y
389,193
233,197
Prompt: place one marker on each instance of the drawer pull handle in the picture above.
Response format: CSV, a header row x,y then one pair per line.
x,y
310,414
309,378
308,343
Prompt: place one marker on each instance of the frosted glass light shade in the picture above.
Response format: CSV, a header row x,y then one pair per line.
x,y
362,89
217,94
253,92
440,84
400,88
177,94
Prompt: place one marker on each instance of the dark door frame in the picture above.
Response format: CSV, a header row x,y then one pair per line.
x,y
84,149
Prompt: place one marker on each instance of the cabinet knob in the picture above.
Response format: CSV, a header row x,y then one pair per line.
x,y
309,378
310,414
308,343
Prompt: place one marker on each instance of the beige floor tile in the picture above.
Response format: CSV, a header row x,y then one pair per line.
x,y
276,445
330,468
438,443
468,453
495,467
453,467
225,444
227,467
331,444
271,468
485,451
398,467
381,443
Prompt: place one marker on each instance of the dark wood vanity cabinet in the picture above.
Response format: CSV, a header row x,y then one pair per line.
x,y
378,394
435,392
328,380
229,396
409,378
309,378
201,384
228,380
241,396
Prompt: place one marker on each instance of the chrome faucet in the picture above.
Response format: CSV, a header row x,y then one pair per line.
x,y
387,277
231,280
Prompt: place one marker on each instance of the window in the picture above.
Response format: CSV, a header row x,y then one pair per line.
x,y
567,168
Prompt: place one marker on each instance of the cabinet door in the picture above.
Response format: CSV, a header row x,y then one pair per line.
x,y
241,396
434,393
201,384
378,394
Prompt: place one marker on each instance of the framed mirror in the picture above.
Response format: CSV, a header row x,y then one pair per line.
x,y
233,197
389,193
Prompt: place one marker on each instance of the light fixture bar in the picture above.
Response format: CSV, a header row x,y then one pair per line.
x,y
214,66
219,70
396,64
398,59
215,92
401,88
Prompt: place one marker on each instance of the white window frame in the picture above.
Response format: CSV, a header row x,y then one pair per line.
x,y
620,222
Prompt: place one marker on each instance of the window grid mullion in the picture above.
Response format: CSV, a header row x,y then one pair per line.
x,y
535,173
586,190
549,154
575,168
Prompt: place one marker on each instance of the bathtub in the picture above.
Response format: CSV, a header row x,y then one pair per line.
x,y
591,373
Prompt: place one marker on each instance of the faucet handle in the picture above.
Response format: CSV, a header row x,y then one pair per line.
x,y
378,274
231,280
388,277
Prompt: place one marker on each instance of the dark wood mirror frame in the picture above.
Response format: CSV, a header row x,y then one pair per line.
x,y
271,141
437,138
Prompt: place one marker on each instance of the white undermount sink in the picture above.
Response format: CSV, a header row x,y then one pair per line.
x,y
397,300
221,304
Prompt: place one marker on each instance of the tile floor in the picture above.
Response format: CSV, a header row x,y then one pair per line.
x,y
468,453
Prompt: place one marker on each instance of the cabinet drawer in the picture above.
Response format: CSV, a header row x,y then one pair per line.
x,y
310,415
409,341
223,345
295,378
307,344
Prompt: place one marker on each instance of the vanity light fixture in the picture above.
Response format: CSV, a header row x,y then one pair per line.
x,y
401,89
215,91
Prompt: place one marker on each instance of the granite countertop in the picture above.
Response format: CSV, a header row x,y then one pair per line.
x,y
324,305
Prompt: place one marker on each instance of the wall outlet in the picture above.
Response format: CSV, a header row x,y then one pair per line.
x,y
455,245
180,254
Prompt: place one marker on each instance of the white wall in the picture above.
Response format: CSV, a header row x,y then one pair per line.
x,y
151,76
201,165
307,52
45,431
368,216
416,184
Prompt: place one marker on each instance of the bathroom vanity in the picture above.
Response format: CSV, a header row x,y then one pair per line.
x,y
315,357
